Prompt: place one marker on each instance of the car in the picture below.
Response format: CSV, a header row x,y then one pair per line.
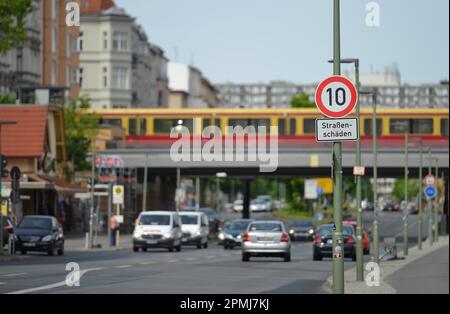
x,y
231,235
323,242
238,206
365,238
268,200
8,229
302,229
195,229
157,229
267,239
213,220
188,209
39,234
259,205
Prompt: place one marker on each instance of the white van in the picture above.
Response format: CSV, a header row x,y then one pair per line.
x,y
195,228
158,229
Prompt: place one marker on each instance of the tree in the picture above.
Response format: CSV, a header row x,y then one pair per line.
x,y
81,128
7,100
302,101
12,23
399,189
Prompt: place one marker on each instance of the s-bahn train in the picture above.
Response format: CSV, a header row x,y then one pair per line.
x,y
147,124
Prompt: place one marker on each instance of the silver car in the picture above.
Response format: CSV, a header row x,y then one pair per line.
x,y
266,238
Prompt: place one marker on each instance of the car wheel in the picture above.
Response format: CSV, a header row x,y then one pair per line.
x,y
52,251
170,249
245,257
225,247
354,257
23,252
317,257
287,257
205,246
135,249
366,252
61,250
144,249
199,245
178,248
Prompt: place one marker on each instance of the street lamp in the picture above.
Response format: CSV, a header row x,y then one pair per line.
x,y
219,175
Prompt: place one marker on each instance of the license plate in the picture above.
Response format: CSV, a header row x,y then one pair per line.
x,y
265,239
184,240
329,241
151,242
29,244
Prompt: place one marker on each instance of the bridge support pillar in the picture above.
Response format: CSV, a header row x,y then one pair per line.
x,y
247,198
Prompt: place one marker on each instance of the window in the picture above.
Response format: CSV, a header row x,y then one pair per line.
x,y
54,10
282,127
80,42
164,126
54,74
112,122
143,127
120,41
105,40
444,127
80,77
251,122
292,127
105,77
368,126
413,126
120,78
309,126
54,40
132,127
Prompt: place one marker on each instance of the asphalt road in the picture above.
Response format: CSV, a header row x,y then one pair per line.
x,y
205,271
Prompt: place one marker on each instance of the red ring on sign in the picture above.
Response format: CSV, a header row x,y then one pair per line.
x,y
348,109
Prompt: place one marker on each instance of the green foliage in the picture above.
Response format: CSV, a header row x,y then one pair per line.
x,y
302,101
12,23
7,100
81,128
399,189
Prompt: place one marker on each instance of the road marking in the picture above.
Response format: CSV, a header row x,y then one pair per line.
x,y
52,286
173,261
2,283
122,266
190,258
211,256
147,263
14,275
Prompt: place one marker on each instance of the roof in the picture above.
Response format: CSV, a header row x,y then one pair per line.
x,y
94,6
26,137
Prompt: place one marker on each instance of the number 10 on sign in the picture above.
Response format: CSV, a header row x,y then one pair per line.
x,y
336,97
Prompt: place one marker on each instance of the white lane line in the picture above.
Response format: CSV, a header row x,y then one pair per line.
x,y
211,256
14,275
190,258
147,263
173,261
52,286
122,266
2,283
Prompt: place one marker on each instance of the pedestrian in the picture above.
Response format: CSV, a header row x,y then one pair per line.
x,y
114,227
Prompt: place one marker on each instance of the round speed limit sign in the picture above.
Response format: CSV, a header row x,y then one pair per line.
x,y
336,97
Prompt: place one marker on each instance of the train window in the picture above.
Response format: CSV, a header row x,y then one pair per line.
x,y
217,123
207,122
399,126
112,122
132,127
421,126
368,126
143,130
164,126
309,126
282,127
444,127
250,122
292,127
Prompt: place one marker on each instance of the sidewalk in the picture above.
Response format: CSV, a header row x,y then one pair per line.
x,y
79,243
413,274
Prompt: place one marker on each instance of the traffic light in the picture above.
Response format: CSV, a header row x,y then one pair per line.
x,y
3,164
15,185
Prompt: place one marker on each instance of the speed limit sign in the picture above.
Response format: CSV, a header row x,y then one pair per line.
x,y
336,97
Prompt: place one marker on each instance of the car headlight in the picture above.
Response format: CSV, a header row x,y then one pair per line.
x,y
47,238
291,231
221,236
197,233
228,236
137,233
311,231
168,235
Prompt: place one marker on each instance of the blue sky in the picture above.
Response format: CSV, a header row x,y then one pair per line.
x,y
263,40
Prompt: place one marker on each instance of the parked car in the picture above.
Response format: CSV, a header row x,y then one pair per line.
x,y
238,206
213,220
266,238
39,234
259,205
302,229
8,229
231,235
158,229
365,237
268,200
195,229
323,242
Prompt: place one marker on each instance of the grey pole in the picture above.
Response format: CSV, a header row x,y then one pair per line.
x,y
420,233
144,188
436,205
197,193
91,216
359,245
109,212
338,239
430,211
376,244
405,213
178,189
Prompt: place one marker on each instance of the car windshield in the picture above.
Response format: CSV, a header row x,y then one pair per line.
x,y
154,220
36,223
207,211
237,225
189,219
259,201
303,223
270,226
327,230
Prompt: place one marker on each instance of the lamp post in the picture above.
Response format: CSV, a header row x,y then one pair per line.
x,y
405,213
219,175
375,234
420,231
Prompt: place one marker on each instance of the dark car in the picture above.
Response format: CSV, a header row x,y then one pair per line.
x,y
212,219
323,242
302,229
8,229
40,234
231,236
